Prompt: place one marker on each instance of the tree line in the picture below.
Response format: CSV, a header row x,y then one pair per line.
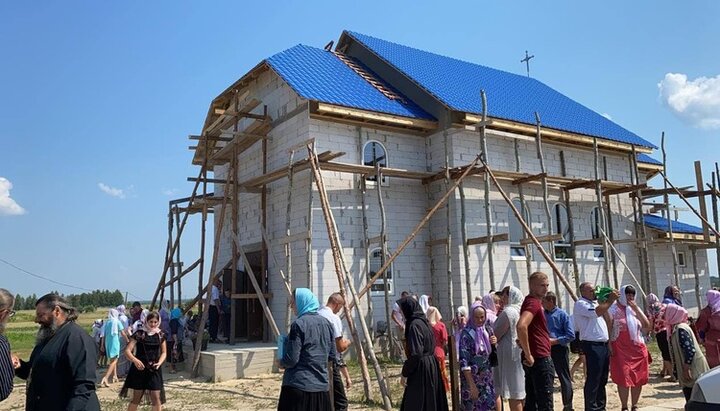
x,y
83,302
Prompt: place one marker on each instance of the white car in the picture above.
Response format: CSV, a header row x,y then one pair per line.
x,y
706,392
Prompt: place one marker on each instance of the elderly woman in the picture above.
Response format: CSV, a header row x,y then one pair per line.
x,y
477,389
424,389
509,376
708,325
441,339
7,371
629,367
687,357
305,355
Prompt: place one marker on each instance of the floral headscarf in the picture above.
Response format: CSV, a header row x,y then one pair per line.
x,y
478,331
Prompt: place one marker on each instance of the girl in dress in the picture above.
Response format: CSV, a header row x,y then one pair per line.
x,y
147,352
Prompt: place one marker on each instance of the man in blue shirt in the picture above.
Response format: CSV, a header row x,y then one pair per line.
x,y
561,334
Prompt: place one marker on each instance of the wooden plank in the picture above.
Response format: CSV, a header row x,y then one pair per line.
x,y
704,246
209,138
281,172
486,239
252,296
533,177
628,240
581,184
438,241
622,190
543,239
376,117
454,173
656,192
589,241
292,238
369,170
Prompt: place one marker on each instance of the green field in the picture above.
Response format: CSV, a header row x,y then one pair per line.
x,y
21,330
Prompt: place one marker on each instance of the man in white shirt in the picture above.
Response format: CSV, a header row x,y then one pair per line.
x,y
215,308
334,304
590,321
398,318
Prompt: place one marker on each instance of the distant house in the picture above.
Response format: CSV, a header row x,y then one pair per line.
x,y
372,103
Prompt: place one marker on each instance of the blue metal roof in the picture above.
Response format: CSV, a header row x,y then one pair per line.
x,y
659,223
457,84
644,158
319,75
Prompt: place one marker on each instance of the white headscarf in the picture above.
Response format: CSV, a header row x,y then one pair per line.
x,y
141,322
114,321
424,303
633,325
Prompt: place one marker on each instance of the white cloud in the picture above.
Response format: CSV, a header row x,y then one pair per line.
x,y
607,116
111,191
170,191
8,206
696,102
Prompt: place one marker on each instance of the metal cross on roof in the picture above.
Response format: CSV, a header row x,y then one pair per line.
x,y
526,60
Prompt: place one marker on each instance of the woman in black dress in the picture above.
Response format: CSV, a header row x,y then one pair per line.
x,y
424,389
146,352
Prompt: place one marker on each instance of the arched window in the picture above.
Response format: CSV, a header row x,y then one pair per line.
x,y
375,263
595,224
560,225
374,153
515,230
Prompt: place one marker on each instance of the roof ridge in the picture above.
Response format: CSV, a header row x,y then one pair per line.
x,y
353,33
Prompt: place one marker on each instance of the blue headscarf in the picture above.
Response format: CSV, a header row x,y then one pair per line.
x,y
175,314
305,302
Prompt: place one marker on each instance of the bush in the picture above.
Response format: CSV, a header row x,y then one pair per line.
x,y
88,309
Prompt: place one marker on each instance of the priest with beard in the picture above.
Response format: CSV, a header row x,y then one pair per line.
x,y
61,371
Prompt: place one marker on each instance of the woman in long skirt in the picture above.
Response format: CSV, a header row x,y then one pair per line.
x,y
629,366
476,376
305,355
424,389
509,376
441,339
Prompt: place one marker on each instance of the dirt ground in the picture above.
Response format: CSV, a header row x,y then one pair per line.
x,y
261,393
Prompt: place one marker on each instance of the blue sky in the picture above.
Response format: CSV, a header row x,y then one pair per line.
x,y
97,100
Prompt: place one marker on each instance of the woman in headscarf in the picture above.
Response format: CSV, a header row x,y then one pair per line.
x,y
687,357
509,376
147,352
175,350
629,367
476,377
305,355
424,389
123,364
659,328
441,339
112,333
424,303
96,334
458,323
138,325
708,325
7,370
491,308
672,295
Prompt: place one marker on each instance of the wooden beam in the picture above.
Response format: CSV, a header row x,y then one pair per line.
x,y
543,239
267,296
581,184
376,117
683,198
657,192
628,241
210,138
486,239
292,238
589,241
533,177
281,172
245,114
369,170
437,241
622,190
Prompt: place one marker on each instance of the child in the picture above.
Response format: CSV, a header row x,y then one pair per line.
x,y
147,352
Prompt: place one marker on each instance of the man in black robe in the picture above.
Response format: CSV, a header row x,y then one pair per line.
x,y
61,372
424,389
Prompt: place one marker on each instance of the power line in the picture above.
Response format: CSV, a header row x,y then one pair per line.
x,y
42,277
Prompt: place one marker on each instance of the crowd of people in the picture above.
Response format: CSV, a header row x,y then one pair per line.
x,y
61,372
509,348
